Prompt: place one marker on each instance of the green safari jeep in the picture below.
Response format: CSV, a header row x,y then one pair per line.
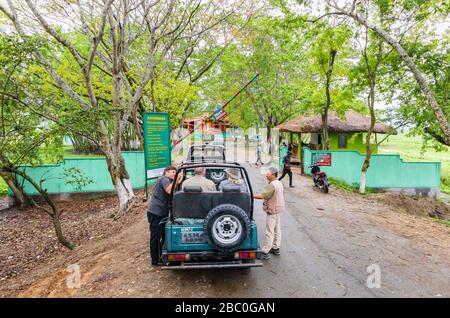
x,y
213,229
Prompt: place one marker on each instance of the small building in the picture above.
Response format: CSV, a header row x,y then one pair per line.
x,y
344,133
345,158
206,127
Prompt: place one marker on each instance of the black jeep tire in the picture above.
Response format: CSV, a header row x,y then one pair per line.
x,y
240,219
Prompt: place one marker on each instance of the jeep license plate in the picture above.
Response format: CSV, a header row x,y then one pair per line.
x,y
193,238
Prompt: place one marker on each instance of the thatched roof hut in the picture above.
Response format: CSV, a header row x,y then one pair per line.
x,y
353,122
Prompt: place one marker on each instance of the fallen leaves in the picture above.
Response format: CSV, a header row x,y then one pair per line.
x,y
27,237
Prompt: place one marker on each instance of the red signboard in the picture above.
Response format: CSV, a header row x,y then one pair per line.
x,y
321,159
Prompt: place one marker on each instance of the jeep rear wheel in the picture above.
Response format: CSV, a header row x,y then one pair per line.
x,y
227,226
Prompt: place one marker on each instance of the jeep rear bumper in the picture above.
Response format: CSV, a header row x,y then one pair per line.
x,y
209,265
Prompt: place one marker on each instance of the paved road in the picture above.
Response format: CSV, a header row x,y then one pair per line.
x,y
323,256
305,268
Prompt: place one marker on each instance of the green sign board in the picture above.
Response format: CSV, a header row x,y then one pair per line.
x,y
156,144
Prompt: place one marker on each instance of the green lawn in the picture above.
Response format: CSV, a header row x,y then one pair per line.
x,y
3,187
409,149
68,154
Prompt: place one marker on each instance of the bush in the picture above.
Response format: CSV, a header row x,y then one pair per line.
x,y
3,187
445,185
349,187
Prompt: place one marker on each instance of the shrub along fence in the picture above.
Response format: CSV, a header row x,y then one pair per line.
x,y
388,172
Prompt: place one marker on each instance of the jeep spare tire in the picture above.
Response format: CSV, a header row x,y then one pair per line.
x,y
226,227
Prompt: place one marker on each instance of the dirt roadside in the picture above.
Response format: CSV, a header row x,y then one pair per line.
x,y
112,255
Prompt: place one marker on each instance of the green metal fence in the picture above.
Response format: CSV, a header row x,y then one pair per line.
x,y
94,168
385,171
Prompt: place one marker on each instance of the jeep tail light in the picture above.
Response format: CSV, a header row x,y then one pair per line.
x,y
178,257
244,255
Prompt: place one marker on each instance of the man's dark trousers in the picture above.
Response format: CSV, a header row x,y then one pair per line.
x,y
154,244
289,172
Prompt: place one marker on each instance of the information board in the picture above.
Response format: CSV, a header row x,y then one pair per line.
x,y
321,159
157,150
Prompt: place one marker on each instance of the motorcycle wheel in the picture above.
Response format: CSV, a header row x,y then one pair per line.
x,y
325,186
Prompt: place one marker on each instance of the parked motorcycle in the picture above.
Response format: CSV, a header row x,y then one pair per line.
x,y
320,178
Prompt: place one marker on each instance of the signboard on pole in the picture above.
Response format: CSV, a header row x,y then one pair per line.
x,y
157,150
321,159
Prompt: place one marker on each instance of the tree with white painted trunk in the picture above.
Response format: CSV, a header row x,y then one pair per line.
x,y
112,28
373,53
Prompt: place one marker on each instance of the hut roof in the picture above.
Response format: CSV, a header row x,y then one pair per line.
x,y
197,118
204,117
353,122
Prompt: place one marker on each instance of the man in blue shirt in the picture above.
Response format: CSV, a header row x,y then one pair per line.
x,y
159,207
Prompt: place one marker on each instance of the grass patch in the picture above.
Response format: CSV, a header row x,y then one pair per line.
x,y
445,222
3,187
445,184
354,188
409,148
68,154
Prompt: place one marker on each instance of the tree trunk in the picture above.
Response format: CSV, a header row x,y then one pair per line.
x,y
55,216
137,125
362,182
247,147
329,73
112,148
53,212
11,180
121,182
366,164
59,233
325,142
19,197
124,192
426,90
269,138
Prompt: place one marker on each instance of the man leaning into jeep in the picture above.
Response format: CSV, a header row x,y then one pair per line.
x,y
159,207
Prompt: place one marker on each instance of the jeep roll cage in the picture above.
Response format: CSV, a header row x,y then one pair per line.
x,y
189,165
204,158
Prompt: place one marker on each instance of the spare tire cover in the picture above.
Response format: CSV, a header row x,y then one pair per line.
x,y
226,227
